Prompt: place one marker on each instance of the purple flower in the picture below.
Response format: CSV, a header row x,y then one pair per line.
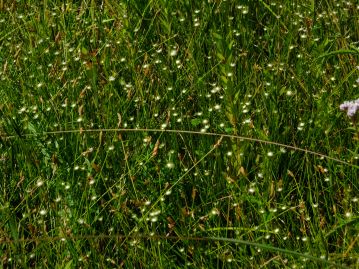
x,y
351,107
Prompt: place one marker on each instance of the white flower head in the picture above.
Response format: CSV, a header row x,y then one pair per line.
x,y
351,107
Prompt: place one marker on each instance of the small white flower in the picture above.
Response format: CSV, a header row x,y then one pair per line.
x,y
170,165
43,212
112,147
168,192
348,214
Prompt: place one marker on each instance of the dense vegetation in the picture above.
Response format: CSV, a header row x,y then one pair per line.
x,y
199,134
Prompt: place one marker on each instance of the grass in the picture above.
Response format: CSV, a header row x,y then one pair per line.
x,y
170,134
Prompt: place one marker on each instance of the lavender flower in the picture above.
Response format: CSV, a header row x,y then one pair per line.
x,y
351,107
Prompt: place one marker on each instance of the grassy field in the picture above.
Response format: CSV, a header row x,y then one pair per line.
x,y
171,134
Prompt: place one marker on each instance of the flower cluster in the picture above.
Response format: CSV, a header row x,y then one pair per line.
x,y
351,107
